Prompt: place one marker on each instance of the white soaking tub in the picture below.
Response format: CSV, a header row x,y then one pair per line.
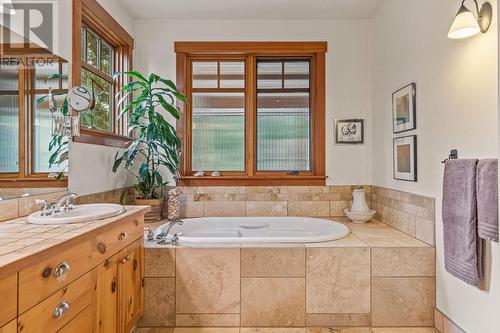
x,y
234,230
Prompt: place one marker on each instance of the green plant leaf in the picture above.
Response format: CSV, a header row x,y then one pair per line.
x,y
168,83
169,107
135,74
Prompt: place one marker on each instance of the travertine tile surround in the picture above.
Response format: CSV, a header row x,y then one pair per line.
x,y
409,213
377,276
412,214
445,325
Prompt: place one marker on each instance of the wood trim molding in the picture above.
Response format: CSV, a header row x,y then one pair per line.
x,y
253,181
250,47
187,52
98,19
33,183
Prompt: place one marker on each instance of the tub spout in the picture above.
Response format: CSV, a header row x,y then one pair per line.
x,y
165,230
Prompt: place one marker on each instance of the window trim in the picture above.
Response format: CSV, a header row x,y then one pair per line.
x,y
26,176
315,51
91,14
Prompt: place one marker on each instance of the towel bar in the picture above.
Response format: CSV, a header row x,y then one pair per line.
x,y
453,156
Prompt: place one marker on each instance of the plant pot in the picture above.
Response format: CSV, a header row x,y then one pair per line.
x,y
155,214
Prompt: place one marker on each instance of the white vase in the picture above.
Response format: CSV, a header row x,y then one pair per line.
x,y
359,204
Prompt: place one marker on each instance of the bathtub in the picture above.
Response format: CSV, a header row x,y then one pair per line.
x,y
240,230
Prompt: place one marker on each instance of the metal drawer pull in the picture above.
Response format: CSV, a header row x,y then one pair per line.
x,y
61,269
123,235
125,259
60,310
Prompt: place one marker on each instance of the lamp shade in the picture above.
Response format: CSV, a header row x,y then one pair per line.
x,y
465,25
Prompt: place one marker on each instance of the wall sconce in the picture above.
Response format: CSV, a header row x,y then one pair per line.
x,y
466,25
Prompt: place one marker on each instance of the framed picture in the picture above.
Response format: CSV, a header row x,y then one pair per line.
x,y
349,131
405,158
404,109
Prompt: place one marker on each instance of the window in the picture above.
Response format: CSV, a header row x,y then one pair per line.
x,y
97,64
25,126
255,112
106,48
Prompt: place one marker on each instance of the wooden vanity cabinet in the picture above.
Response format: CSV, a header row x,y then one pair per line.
x,y
94,284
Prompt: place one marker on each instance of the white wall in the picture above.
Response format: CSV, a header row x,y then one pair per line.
x,y
348,70
456,108
90,166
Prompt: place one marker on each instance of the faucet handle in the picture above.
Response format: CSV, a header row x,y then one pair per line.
x,y
45,207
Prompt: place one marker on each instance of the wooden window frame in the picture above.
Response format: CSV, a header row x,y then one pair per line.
x,y
186,52
91,14
26,177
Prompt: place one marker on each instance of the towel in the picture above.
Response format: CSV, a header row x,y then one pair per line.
x,y
487,199
462,252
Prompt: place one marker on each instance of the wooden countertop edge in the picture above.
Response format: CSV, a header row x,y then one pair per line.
x,y
22,263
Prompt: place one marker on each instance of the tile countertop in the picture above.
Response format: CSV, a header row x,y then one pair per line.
x,y
20,240
374,234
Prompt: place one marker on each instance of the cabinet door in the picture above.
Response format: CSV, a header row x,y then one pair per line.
x,y
107,295
9,327
132,290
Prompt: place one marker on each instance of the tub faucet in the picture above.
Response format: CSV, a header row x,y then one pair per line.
x,y
165,230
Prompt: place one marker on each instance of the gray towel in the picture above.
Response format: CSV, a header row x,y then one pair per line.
x,y
462,255
487,199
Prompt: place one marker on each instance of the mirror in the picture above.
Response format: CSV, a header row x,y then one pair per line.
x,y
33,105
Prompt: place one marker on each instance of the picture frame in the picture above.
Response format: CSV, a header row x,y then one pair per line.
x,y
349,131
405,158
404,109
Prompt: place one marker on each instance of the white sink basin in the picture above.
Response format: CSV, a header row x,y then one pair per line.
x,y
81,213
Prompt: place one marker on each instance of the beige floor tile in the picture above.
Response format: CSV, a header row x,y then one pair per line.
x,y
206,330
338,319
159,262
208,320
272,302
403,301
403,262
338,280
153,330
273,330
207,281
405,330
273,262
159,309
339,330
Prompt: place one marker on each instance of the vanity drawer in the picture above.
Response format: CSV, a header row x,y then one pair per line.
x,y
82,323
57,310
8,299
122,234
47,276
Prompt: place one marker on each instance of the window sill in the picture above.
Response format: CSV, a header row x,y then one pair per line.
x,y
33,183
253,181
96,137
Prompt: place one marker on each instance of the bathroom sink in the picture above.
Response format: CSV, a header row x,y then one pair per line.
x,y
80,213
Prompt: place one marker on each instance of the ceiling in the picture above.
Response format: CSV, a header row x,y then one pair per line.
x,y
251,9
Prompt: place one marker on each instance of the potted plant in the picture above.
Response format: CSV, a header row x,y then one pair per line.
x,y
156,146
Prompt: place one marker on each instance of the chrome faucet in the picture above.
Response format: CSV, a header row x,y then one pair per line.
x,y
65,202
165,230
